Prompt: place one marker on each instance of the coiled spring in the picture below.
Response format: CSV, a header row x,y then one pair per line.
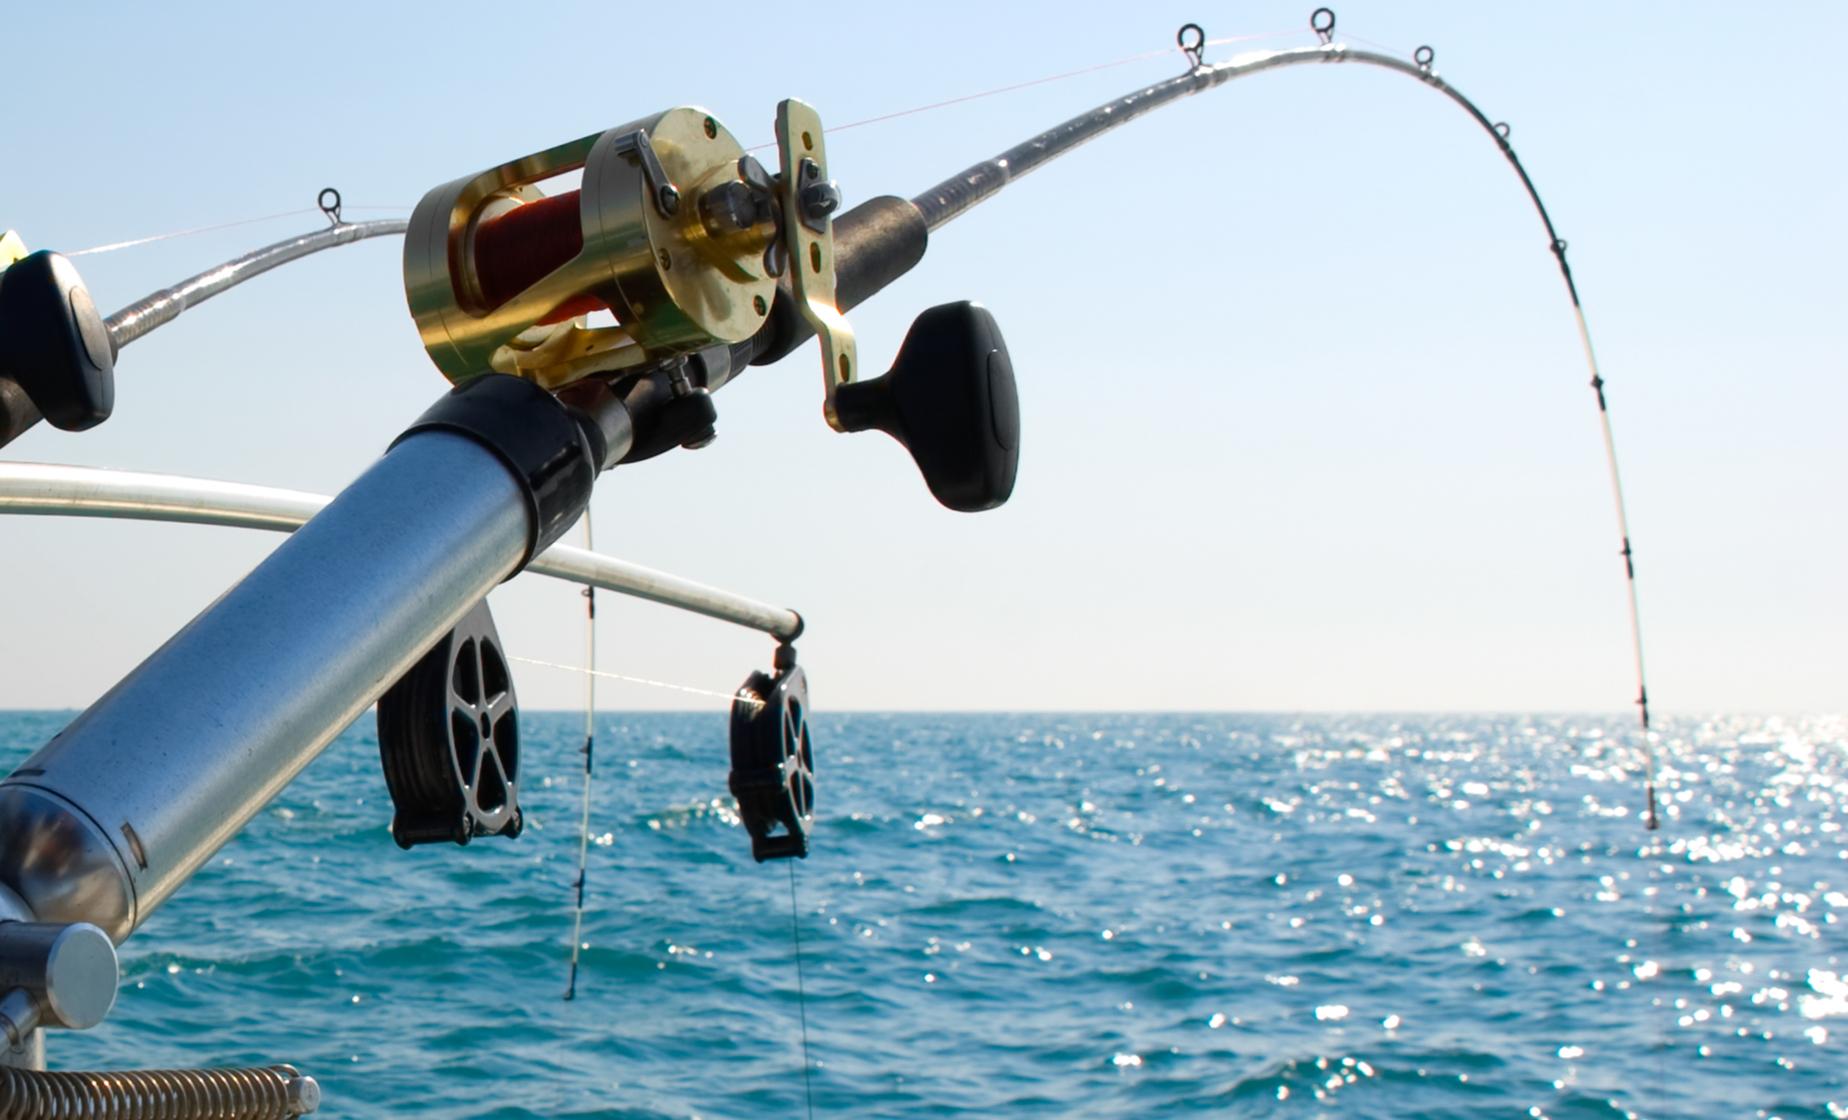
x,y
267,1093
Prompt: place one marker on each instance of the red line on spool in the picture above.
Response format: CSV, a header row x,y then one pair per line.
x,y
516,249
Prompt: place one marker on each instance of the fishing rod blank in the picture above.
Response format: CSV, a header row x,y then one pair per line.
x,y
897,237
57,354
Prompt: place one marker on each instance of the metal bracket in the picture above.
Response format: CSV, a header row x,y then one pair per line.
x,y
808,239
661,189
54,974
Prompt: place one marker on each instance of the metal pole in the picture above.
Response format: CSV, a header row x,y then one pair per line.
x,y
47,488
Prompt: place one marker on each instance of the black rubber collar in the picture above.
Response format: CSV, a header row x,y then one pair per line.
x,y
554,457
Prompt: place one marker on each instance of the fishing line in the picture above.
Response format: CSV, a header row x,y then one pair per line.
x,y
590,739
192,231
998,90
188,232
729,697
795,934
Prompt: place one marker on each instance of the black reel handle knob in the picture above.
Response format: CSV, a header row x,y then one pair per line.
x,y
54,343
950,399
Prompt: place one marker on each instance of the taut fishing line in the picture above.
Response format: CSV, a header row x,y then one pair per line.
x,y
590,743
795,936
188,232
194,231
609,676
1141,56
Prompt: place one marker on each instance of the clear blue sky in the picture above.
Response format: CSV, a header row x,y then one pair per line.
x,y
1306,425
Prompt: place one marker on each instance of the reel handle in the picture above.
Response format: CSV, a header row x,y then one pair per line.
x,y
54,346
950,398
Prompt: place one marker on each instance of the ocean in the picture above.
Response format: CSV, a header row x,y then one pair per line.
x,y
1043,915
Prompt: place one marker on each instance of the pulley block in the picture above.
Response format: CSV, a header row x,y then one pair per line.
x,y
773,764
449,740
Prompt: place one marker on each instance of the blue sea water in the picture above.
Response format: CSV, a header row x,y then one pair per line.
x,y
1044,915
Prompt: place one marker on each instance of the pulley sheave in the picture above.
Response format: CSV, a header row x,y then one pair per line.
x,y
449,740
773,763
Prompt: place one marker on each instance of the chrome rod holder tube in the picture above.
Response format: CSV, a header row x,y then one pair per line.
x,y
107,820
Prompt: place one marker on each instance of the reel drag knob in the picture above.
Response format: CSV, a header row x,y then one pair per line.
x,y
951,400
773,764
449,740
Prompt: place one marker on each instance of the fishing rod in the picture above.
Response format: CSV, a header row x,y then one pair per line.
x,y
708,262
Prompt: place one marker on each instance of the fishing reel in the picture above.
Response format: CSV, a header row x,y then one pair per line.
x,y
675,232
449,740
773,763
693,248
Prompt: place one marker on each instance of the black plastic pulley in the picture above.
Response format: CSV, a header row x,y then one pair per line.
x,y
54,343
951,400
773,765
449,739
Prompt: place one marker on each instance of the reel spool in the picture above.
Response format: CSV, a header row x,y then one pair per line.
x,y
773,764
449,740
671,232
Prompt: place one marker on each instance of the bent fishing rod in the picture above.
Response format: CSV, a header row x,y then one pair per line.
x,y
708,262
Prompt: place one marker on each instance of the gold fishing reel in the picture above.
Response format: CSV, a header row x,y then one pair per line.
x,y
675,231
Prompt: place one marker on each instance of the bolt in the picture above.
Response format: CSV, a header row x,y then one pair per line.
x,y
753,173
677,378
819,200
732,207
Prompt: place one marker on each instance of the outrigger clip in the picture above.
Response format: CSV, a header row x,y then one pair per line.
x,y
773,762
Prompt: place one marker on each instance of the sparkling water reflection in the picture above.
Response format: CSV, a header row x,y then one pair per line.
x,y
1049,915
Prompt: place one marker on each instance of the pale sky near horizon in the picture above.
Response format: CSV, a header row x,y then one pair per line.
x,y
1305,419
